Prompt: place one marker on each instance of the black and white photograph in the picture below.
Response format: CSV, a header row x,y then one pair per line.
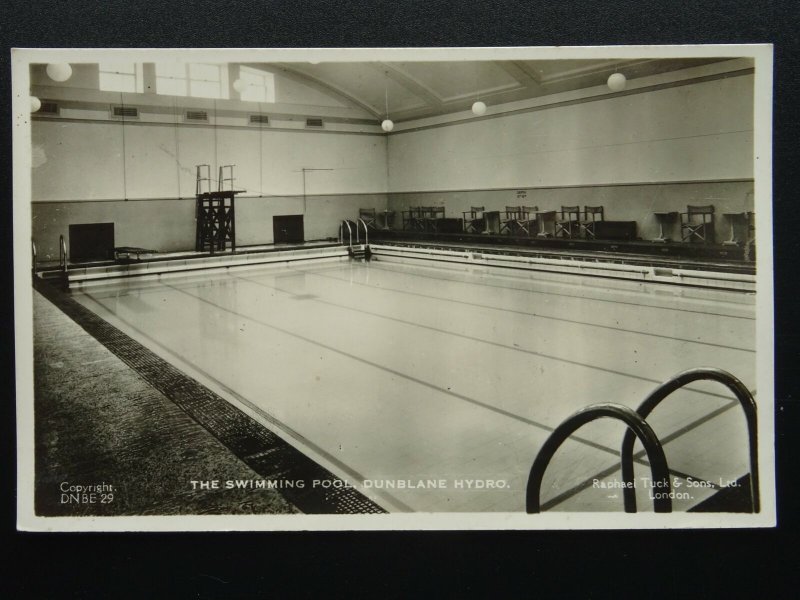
x,y
394,289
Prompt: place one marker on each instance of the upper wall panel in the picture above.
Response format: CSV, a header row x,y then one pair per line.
x,y
103,161
696,132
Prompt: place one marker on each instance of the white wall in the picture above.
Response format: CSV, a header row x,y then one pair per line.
x,y
697,132
149,196
84,160
169,225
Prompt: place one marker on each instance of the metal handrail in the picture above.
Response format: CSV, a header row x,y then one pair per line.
x,y
366,233
33,257
665,389
662,502
349,231
62,253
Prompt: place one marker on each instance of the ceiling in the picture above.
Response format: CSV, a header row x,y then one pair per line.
x,y
413,90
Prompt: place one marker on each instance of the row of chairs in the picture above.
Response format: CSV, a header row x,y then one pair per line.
x,y
571,225
517,220
697,223
520,220
422,218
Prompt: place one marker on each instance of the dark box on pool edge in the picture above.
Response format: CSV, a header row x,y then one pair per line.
x,y
615,230
91,241
449,225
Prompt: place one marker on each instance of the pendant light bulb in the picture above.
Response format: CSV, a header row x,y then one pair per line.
x,y
616,82
59,71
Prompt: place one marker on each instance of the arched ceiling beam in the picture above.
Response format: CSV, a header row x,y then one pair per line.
x,y
319,84
414,86
594,69
521,72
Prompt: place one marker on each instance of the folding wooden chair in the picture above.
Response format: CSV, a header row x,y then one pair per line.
x,y
568,223
432,216
368,216
591,214
509,224
412,218
526,221
427,218
697,224
473,219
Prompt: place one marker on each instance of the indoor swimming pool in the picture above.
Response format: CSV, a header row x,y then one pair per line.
x,y
431,387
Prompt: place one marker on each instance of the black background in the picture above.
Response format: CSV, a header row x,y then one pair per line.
x,y
390,564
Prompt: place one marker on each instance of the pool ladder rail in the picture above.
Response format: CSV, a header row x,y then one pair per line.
x,y
357,251
638,428
63,259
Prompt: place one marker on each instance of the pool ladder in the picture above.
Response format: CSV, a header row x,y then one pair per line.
x,y
62,255
638,428
358,251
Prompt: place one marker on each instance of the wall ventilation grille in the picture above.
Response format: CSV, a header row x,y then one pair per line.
x,y
50,109
197,116
259,119
314,123
129,112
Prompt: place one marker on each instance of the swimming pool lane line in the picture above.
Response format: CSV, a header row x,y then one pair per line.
x,y
418,381
639,456
546,293
561,497
262,450
523,313
481,340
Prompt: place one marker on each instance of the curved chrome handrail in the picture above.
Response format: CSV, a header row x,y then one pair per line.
x,y
62,253
33,257
665,389
349,231
662,503
366,233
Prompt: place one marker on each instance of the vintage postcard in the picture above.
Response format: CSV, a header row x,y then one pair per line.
x,y
362,289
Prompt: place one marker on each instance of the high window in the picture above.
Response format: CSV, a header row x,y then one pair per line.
x,y
259,86
198,80
121,77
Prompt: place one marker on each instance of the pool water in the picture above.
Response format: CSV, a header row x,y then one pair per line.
x,y
432,387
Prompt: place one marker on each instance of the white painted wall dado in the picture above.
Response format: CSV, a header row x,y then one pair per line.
x,y
696,132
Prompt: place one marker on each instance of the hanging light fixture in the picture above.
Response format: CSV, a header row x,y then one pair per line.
x,y
616,82
239,85
59,71
38,156
387,124
36,104
479,108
